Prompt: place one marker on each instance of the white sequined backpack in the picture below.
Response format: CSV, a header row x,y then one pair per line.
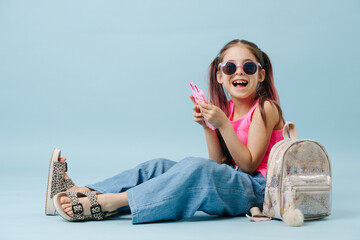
x,y
298,181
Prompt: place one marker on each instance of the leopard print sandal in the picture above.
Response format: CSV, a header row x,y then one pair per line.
x,y
56,181
77,207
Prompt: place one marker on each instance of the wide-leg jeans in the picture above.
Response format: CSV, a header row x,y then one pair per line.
x,y
162,189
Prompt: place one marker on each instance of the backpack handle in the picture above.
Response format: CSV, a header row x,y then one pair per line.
x,y
289,131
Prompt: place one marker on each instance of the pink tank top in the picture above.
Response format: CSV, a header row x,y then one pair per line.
x,y
241,127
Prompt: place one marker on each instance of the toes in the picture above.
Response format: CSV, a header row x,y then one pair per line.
x,y
64,200
66,206
68,211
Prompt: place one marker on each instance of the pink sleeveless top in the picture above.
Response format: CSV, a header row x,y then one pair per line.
x,y
241,127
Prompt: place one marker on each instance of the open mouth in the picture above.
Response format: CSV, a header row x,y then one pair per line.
x,y
240,83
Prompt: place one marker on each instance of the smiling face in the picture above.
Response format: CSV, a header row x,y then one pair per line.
x,y
240,85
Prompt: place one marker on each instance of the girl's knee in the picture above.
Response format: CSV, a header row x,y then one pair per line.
x,y
193,160
161,162
196,163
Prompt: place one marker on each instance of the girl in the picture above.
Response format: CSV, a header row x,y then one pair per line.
x,y
229,183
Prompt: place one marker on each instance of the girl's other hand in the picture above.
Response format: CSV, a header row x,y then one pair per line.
x,y
197,113
214,115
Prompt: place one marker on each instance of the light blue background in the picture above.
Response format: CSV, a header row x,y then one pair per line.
x,y
107,82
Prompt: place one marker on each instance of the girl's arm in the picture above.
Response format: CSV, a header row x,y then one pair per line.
x,y
247,157
213,145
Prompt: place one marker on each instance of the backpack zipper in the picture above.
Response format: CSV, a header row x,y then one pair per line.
x,y
315,188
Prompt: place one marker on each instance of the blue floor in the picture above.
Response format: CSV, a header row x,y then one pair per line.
x,y
23,182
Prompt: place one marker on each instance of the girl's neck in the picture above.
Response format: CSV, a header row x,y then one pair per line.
x,y
242,107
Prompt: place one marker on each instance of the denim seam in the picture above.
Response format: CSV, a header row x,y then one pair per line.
x,y
98,189
233,189
188,189
134,210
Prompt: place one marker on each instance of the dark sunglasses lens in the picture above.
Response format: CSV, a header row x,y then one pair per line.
x,y
250,68
229,68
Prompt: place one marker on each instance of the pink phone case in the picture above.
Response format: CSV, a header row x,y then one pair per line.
x,y
200,96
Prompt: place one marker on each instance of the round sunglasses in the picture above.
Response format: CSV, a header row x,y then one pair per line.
x,y
229,68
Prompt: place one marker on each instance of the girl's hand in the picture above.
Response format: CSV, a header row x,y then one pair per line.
x,y
214,115
197,114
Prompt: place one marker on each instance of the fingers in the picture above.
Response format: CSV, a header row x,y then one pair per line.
x,y
205,105
198,111
206,116
204,109
207,110
198,115
196,108
192,99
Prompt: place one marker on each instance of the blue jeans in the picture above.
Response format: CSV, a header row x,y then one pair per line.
x,y
161,189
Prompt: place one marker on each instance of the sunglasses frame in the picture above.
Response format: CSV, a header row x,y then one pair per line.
x,y
221,65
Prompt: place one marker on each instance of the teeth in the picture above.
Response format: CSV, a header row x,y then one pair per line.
x,y
240,82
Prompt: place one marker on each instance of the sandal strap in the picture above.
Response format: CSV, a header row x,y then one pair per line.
x,y
61,166
68,183
77,207
95,208
59,183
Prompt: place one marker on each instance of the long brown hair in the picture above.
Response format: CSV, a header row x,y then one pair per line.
x,y
266,90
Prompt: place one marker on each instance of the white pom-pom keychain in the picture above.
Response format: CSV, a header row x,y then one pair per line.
x,y
293,217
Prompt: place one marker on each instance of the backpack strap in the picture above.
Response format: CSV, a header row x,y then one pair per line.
x,y
257,215
289,131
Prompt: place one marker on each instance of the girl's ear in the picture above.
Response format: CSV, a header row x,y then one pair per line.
x,y
262,77
219,77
